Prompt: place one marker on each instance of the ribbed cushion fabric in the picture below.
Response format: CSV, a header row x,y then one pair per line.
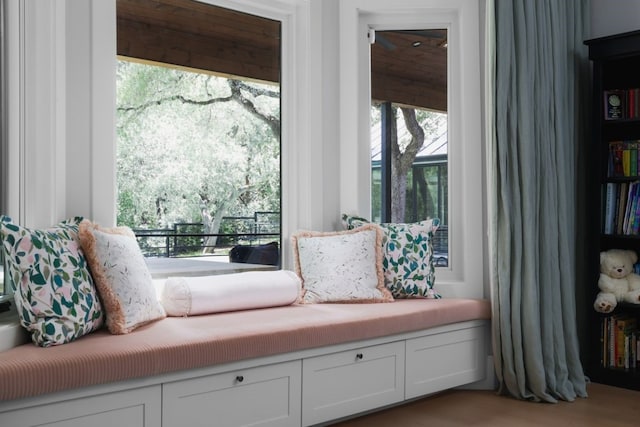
x,y
179,343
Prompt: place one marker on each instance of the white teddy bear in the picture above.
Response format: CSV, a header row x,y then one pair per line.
x,y
618,282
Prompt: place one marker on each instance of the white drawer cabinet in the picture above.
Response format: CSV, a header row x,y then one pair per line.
x,y
262,396
440,361
345,383
309,387
131,408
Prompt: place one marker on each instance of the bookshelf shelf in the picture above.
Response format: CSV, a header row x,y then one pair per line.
x,y
615,123
618,377
621,129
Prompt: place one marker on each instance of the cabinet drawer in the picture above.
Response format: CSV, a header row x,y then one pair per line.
x,y
349,382
263,396
440,361
135,408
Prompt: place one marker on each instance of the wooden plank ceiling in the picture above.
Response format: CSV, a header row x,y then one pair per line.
x,y
195,35
410,68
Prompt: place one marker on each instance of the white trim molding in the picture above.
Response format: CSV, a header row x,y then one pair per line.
x,y
36,35
297,173
91,82
12,41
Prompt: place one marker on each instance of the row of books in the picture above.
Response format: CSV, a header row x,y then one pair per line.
x,y
621,208
620,339
622,104
624,158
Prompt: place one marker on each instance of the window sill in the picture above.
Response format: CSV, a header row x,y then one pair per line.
x,y
11,333
161,268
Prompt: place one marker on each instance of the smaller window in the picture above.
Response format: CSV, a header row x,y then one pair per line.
x,y
426,186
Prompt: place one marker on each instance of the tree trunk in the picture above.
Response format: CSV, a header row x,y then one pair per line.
x,y
424,197
402,161
211,226
212,223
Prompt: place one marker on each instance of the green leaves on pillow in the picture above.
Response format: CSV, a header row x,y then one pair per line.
x,y
407,262
54,292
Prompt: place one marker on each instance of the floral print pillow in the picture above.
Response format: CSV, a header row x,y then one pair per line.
x,y
54,292
342,266
122,277
408,265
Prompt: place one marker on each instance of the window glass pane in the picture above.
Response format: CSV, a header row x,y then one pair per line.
x,y
198,156
409,143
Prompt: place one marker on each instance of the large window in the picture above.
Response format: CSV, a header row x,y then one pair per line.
x,y
198,110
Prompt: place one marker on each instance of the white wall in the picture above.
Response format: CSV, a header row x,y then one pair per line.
x,y
611,17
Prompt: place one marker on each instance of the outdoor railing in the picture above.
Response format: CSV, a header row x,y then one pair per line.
x,y
165,243
189,239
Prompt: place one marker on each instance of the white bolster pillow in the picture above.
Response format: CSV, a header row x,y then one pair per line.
x,y
188,296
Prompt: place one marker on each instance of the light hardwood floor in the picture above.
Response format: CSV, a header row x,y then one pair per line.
x,y
605,407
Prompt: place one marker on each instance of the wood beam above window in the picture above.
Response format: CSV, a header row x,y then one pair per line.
x,y
196,35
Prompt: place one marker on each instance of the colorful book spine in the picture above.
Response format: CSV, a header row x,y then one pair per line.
x,y
621,209
610,200
624,158
626,161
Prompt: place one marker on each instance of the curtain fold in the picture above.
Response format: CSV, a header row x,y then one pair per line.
x,y
536,82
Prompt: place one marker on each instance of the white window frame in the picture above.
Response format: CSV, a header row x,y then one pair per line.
x,y
294,159
464,275
292,113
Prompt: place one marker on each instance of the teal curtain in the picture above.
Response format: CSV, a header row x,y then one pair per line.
x,y
538,97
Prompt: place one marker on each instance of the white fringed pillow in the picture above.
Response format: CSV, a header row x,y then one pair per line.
x,y
343,266
121,276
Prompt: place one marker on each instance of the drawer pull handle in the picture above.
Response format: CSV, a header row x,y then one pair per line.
x,y
359,356
239,378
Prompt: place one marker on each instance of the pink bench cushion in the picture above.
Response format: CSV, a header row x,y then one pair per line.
x,y
178,343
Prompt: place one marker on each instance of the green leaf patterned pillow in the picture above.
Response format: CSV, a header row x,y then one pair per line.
x,y
407,263
54,292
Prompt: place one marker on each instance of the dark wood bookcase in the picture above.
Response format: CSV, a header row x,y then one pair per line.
x,y
616,67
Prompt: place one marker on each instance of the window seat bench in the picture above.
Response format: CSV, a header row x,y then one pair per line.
x,y
165,362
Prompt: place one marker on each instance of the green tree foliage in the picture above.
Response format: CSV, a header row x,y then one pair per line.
x,y
194,147
422,126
